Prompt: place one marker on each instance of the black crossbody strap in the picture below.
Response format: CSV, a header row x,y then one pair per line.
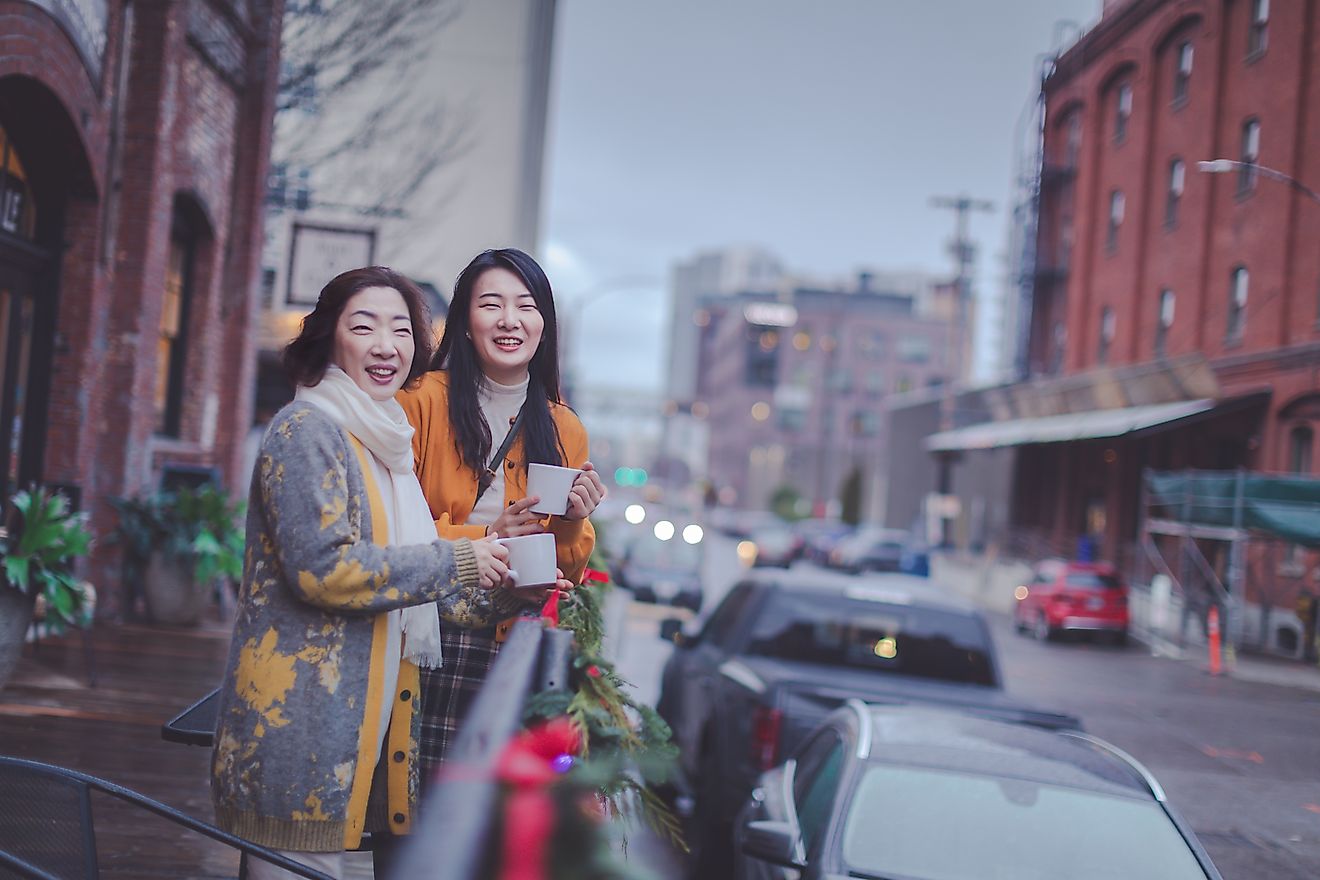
x,y
486,477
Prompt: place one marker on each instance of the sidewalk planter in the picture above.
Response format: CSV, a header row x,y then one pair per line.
x,y
177,545
38,560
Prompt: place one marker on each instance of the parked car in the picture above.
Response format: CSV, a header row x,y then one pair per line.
x,y
1073,597
870,549
783,649
819,535
904,792
662,571
776,546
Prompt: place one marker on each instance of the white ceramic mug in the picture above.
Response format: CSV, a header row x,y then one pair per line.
x,y
552,485
531,559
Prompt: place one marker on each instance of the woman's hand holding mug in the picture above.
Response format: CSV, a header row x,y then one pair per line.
x,y
586,494
517,519
492,561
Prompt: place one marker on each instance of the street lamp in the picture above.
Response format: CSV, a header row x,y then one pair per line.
x,y
1228,166
577,315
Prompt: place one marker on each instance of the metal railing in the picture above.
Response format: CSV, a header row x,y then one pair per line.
x,y
452,835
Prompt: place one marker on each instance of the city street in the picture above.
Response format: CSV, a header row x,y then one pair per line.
x,y
1240,759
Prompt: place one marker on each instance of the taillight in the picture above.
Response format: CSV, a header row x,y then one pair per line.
x,y
765,736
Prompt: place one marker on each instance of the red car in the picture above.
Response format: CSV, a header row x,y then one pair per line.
x,y
1073,597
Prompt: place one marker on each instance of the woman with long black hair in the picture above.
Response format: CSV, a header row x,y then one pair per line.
x,y
497,366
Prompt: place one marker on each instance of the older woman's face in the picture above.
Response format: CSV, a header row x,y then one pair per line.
x,y
505,325
374,341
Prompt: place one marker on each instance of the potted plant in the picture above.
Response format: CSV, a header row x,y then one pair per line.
x,y
38,558
177,544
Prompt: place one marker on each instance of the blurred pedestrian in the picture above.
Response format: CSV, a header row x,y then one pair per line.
x,y
323,666
1307,610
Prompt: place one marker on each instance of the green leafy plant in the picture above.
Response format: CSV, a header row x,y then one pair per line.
x,y
627,743
201,525
39,555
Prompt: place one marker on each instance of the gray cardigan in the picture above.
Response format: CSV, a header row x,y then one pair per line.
x,y
300,708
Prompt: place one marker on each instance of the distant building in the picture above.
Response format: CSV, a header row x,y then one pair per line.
x,y
1173,315
792,388
134,141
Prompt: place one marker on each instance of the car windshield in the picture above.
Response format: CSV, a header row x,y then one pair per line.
x,y
836,630
674,555
1092,580
940,825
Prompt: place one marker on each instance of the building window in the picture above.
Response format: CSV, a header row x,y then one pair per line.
x,y
1108,323
1300,442
1060,339
1122,111
1072,146
1237,303
1116,207
172,342
1249,157
1258,36
1182,73
18,214
761,366
1177,180
913,349
1165,322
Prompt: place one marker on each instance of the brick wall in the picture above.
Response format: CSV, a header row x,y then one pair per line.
x,y
186,125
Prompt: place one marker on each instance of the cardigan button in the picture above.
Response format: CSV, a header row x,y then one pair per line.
x,y
405,696
399,818
398,757
509,465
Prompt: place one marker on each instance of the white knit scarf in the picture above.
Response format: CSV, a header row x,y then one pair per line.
x,y
382,427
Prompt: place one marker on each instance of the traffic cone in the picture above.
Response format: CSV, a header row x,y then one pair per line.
x,y
1212,636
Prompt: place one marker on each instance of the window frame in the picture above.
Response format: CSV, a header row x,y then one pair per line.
x,y
1163,321
1184,59
1174,192
1239,290
1123,100
1249,156
1258,34
1117,212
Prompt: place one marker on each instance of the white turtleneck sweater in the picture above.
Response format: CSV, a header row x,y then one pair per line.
x,y
499,405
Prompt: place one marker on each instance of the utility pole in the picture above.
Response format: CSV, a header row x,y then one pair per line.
x,y
964,252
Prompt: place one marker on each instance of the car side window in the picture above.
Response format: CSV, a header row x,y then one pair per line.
x,y
814,785
725,618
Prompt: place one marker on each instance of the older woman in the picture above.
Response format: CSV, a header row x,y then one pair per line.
x,y
323,667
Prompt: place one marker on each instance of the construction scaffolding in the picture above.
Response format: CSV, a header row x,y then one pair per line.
x,y
1210,518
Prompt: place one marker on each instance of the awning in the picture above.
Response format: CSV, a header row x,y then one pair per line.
x,y
1094,424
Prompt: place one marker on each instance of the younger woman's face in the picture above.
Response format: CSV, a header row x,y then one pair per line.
x,y
374,341
505,326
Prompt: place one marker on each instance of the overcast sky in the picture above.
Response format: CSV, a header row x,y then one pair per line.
x,y
818,129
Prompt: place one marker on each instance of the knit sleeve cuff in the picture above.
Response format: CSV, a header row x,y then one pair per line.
x,y
465,560
507,603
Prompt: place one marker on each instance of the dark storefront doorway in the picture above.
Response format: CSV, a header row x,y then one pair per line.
x,y
25,329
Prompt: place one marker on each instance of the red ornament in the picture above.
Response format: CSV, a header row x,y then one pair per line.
x,y
529,763
593,671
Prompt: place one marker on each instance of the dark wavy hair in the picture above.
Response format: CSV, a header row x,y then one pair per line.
x,y
307,357
456,354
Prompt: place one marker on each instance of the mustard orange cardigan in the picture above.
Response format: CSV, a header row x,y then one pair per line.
x,y
450,486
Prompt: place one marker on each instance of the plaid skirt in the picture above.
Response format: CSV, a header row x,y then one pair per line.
x,y
448,692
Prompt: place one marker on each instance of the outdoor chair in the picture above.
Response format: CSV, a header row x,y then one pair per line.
x,y
47,829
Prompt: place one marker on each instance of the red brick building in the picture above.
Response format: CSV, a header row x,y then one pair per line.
x,y
1175,314
134,140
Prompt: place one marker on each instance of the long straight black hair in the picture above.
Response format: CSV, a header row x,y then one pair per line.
x,y
456,354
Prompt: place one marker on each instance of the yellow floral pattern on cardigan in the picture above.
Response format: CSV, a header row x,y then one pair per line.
x,y
300,707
